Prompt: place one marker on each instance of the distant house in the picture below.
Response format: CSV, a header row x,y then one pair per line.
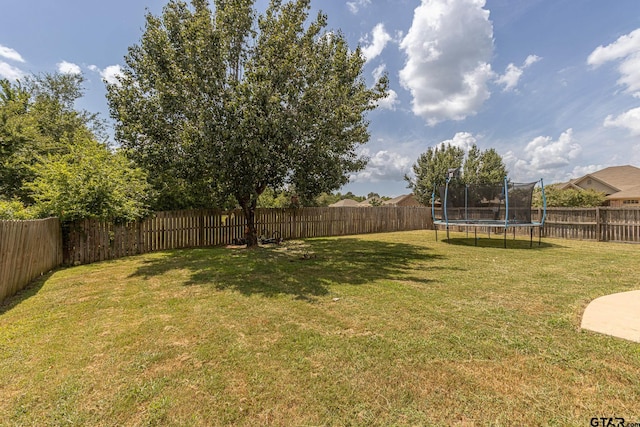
x,y
621,184
404,200
371,201
345,203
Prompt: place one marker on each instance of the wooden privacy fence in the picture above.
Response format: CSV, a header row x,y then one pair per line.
x,y
27,250
602,224
89,241
30,248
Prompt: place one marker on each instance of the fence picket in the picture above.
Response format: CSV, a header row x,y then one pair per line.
x,y
25,251
91,240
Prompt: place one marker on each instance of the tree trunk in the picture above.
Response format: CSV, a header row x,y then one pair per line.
x,y
250,231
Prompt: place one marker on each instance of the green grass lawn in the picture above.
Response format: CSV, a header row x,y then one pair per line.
x,y
385,329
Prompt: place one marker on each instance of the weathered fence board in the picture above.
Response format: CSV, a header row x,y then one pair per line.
x,y
27,250
599,224
91,240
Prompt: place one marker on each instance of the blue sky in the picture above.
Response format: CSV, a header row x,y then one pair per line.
x,y
552,85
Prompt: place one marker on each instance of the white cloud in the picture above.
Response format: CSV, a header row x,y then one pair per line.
x,y
626,50
629,120
531,59
11,54
390,101
510,78
65,67
512,74
384,166
462,140
579,171
626,45
354,6
545,153
379,71
544,157
447,68
380,38
9,72
109,74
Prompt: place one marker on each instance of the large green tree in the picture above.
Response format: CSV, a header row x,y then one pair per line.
x,y
18,131
38,118
232,103
475,167
431,170
482,167
53,160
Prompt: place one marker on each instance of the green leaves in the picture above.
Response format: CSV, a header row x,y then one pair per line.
x,y
431,170
483,166
234,103
432,167
51,161
557,197
89,182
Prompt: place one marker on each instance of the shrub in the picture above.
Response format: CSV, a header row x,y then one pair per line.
x,y
14,209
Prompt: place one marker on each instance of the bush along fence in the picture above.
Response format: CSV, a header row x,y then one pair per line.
x,y
90,240
28,249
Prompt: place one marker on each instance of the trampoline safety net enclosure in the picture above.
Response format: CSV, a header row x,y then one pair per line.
x,y
499,205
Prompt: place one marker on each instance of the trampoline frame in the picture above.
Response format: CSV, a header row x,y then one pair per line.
x,y
487,223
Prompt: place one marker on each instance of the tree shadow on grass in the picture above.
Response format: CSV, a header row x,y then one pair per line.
x,y
301,269
25,293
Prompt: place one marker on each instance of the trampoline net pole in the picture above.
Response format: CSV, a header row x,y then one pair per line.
x,y
531,237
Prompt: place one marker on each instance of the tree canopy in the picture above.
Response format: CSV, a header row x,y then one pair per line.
x,y
89,182
431,170
38,118
432,166
232,103
52,161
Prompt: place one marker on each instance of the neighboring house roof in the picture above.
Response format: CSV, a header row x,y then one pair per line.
x,y
621,177
629,193
404,200
568,185
344,203
367,203
617,182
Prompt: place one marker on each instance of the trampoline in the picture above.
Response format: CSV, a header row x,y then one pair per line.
x,y
505,205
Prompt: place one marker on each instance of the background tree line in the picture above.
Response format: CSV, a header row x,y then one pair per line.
x,y
475,166
54,161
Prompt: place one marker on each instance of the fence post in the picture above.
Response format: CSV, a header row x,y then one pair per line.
x,y
598,227
200,242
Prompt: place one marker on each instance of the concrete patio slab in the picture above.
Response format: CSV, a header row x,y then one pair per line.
x,y
617,315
